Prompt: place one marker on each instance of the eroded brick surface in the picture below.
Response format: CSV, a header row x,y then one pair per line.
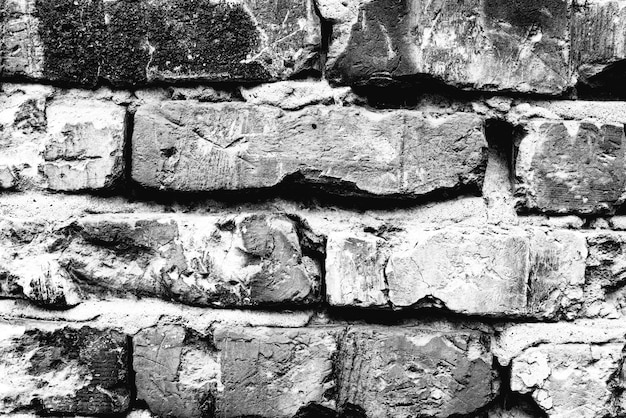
x,y
209,147
66,371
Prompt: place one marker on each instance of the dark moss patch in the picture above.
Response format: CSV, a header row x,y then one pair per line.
x,y
72,32
204,39
129,43
125,55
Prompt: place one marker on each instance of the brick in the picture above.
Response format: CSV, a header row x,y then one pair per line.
x,y
489,271
245,260
469,271
604,274
566,380
68,144
355,270
133,43
66,371
557,280
597,36
274,372
176,373
264,372
571,167
491,45
233,146
409,371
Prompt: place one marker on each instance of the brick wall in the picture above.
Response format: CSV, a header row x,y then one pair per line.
x,y
313,208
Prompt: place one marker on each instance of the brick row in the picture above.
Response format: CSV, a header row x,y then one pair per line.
x,y
247,371
435,369
264,259
208,261
73,142
481,44
264,371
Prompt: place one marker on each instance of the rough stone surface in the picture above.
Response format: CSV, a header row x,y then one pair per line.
x,y
557,278
67,371
68,144
129,43
205,147
22,51
597,36
568,380
42,281
260,372
569,369
487,45
175,375
571,167
605,294
270,372
415,372
492,271
232,261
469,271
355,270
273,208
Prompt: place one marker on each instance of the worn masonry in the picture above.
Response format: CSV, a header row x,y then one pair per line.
x,y
313,208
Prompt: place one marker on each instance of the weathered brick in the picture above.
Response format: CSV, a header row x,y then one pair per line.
x,y
605,292
572,380
474,271
84,145
487,45
22,52
65,372
231,261
274,372
499,272
409,371
176,373
68,144
597,35
355,270
129,43
569,368
557,280
232,146
571,167
264,372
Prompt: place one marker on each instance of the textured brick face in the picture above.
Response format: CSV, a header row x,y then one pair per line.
x,y
243,261
68,371
567,166
381,369
67,144
491,44
208,147
130,43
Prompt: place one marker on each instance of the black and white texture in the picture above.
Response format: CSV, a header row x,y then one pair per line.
x,y
313,208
